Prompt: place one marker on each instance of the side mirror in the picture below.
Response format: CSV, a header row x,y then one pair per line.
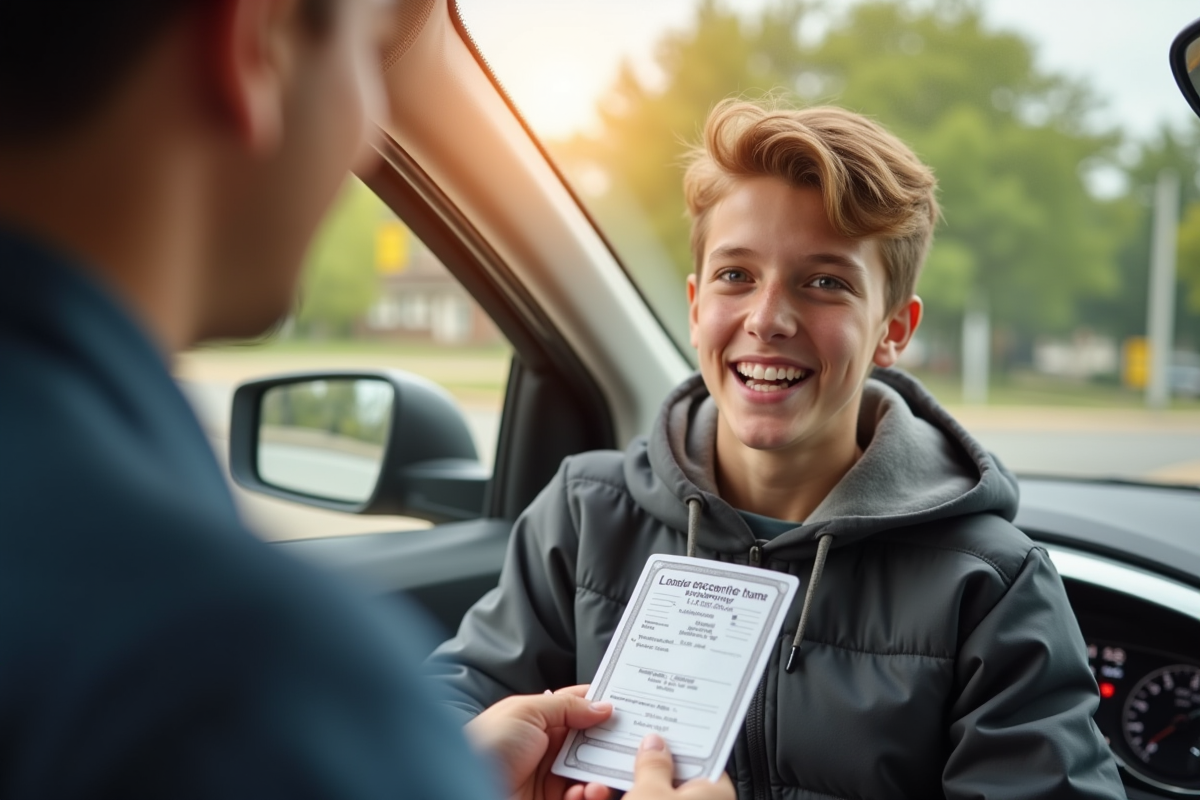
x,y
1185,64
365,442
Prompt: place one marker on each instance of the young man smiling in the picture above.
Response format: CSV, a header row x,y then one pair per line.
x,y
934,652
787,317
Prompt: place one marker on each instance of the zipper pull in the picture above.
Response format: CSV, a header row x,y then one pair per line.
x,y
755,556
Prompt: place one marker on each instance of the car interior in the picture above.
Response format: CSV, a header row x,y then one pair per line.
x,y
590,365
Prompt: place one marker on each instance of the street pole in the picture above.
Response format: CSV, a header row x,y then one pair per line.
x,y
976,348
1160,310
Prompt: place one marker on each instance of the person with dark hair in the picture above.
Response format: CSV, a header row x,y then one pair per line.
x,y
163,166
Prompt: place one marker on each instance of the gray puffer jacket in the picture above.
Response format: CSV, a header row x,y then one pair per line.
x,y
939,656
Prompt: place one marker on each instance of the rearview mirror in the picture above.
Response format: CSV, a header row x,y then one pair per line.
x,y
365,443
1185,64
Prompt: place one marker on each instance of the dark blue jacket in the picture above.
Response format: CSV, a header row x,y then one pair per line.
x,y
150,646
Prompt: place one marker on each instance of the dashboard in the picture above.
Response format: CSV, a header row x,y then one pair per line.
x,y
1146,660
1150,712
1129,556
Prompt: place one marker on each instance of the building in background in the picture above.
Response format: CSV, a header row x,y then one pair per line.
x,y
418,297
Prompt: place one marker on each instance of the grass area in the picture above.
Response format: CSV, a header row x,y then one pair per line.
x,y
474,374
355,347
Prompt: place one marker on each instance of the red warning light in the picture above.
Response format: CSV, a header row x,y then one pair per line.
x,y
1107,690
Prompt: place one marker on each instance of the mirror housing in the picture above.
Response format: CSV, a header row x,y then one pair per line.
x,y
1185,64
428,466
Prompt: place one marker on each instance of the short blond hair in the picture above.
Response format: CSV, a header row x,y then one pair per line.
x,y
871,182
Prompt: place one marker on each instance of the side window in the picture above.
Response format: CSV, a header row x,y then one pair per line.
x,y
372,296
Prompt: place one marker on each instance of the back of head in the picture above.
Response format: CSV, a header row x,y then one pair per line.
x,y
872,184
60,59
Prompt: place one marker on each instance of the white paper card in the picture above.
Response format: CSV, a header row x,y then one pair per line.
x,y
684,663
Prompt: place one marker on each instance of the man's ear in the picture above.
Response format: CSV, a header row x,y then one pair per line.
x,y
251,55
898,332
692,310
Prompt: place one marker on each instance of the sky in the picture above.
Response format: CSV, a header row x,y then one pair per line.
x,y
555,57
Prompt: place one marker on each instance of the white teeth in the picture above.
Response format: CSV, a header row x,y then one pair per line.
x,y
757,372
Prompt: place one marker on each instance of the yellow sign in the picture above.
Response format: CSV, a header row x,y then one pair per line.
x,y
1135,362
391,248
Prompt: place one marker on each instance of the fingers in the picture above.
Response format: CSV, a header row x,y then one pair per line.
x,y
654,772
701,789
654,769
596,791
588,791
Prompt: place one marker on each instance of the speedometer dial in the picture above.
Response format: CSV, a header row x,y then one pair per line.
x,y
1161,722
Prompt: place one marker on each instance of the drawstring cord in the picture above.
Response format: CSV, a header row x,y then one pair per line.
x,y
693,504
823,545
818,567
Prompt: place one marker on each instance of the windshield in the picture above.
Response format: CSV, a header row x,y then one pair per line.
x,y
1059,328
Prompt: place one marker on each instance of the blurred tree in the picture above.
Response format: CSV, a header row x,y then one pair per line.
x,y
340,281
646,131
1188,265
1179,151
1187,301
1010,143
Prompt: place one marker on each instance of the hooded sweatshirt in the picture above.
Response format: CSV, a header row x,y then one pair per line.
x,y
931,650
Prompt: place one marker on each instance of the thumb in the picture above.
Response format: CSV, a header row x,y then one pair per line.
x,y
654,769
579,712
568,708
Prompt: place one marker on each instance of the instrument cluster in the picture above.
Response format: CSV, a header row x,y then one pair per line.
x,y
1150,713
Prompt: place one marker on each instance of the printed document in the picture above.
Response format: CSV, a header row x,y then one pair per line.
x,y
684,663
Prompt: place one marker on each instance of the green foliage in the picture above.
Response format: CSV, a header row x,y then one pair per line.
x,y
909,67
1007,144
647,132
340,282
1130,219
948,275
1188,264
354,409
1008,141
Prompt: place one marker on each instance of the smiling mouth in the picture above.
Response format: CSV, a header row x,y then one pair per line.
x,y
769,379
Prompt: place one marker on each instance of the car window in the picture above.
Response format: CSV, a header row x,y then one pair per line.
x,y
372,297
1040,327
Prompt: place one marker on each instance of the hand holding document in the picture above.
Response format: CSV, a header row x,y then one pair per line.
x,y
689,652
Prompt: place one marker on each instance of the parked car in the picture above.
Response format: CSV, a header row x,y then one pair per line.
x,y
591,362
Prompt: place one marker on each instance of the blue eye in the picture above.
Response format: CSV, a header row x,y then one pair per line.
x,y
732,275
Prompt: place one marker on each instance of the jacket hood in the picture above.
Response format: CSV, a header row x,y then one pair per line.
x,y
918,465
